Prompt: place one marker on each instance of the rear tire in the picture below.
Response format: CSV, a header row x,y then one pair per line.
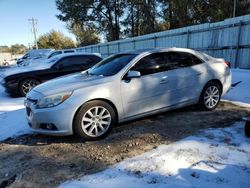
x,y
94,120
210,96
26,85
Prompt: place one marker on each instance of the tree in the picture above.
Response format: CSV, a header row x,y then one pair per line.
x,y
107,13
115,19
14,49
180,13
93,15
79,22
56,40
18,49
4,49
84,35
143,17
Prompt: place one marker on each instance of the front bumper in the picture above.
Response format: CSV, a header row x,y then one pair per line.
x,y
60,116
11,88
227,83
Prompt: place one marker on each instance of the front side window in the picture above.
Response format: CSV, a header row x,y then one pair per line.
x,y
111,65
150,64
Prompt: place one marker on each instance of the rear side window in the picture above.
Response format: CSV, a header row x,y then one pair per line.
x,y
69,51
181,59
150,64
95,59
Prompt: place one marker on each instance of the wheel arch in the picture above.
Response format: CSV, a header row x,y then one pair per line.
x,y
28,77
217,81
96,99
25,78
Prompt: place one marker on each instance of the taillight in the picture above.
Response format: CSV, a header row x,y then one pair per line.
x,y
228,64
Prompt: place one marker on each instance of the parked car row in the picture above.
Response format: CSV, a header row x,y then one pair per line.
x,y
19,81
122,87
34,55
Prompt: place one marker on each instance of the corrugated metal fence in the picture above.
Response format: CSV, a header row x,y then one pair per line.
x,y
228,39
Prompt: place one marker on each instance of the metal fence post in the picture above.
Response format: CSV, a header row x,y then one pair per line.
x,y
134,44
118,46
188,38
236,64
155,41
108,49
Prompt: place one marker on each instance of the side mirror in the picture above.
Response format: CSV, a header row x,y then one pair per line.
x,y
133,74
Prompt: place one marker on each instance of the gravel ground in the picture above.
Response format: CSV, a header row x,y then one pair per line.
x,y
46,161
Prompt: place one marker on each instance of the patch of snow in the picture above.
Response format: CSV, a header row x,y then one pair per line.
x,y
217,158
13,124
240,94
9,104
12,116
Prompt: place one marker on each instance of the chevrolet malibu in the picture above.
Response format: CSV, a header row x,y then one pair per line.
x,y
126,86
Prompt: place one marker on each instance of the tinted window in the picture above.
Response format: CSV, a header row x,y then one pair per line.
x,y
74,61
150,64
54,53
180,59
95,58
69,51
111,65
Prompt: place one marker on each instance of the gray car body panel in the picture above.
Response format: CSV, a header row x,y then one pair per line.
x,y
141,96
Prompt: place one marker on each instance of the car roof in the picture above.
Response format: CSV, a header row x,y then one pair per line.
x,y
154,50
73,54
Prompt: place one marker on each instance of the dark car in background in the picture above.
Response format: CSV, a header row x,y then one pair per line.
x,y
20,80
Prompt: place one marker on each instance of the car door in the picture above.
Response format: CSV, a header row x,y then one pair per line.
x,y
144,94
186,72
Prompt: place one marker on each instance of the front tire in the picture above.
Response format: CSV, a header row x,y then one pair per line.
x,y
26,85
94,120
210,96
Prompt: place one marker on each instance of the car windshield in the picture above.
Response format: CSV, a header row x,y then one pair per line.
x,y
111,65
38,53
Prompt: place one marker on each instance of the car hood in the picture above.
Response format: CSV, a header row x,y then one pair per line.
x,y
68,83
16,70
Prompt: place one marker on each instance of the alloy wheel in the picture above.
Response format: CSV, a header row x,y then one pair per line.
x,y
28,85
96,121
211,96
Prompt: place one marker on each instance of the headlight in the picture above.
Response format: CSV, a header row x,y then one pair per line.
x,y
53,100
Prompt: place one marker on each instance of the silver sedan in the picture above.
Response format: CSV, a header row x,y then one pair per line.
x,y
127,86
